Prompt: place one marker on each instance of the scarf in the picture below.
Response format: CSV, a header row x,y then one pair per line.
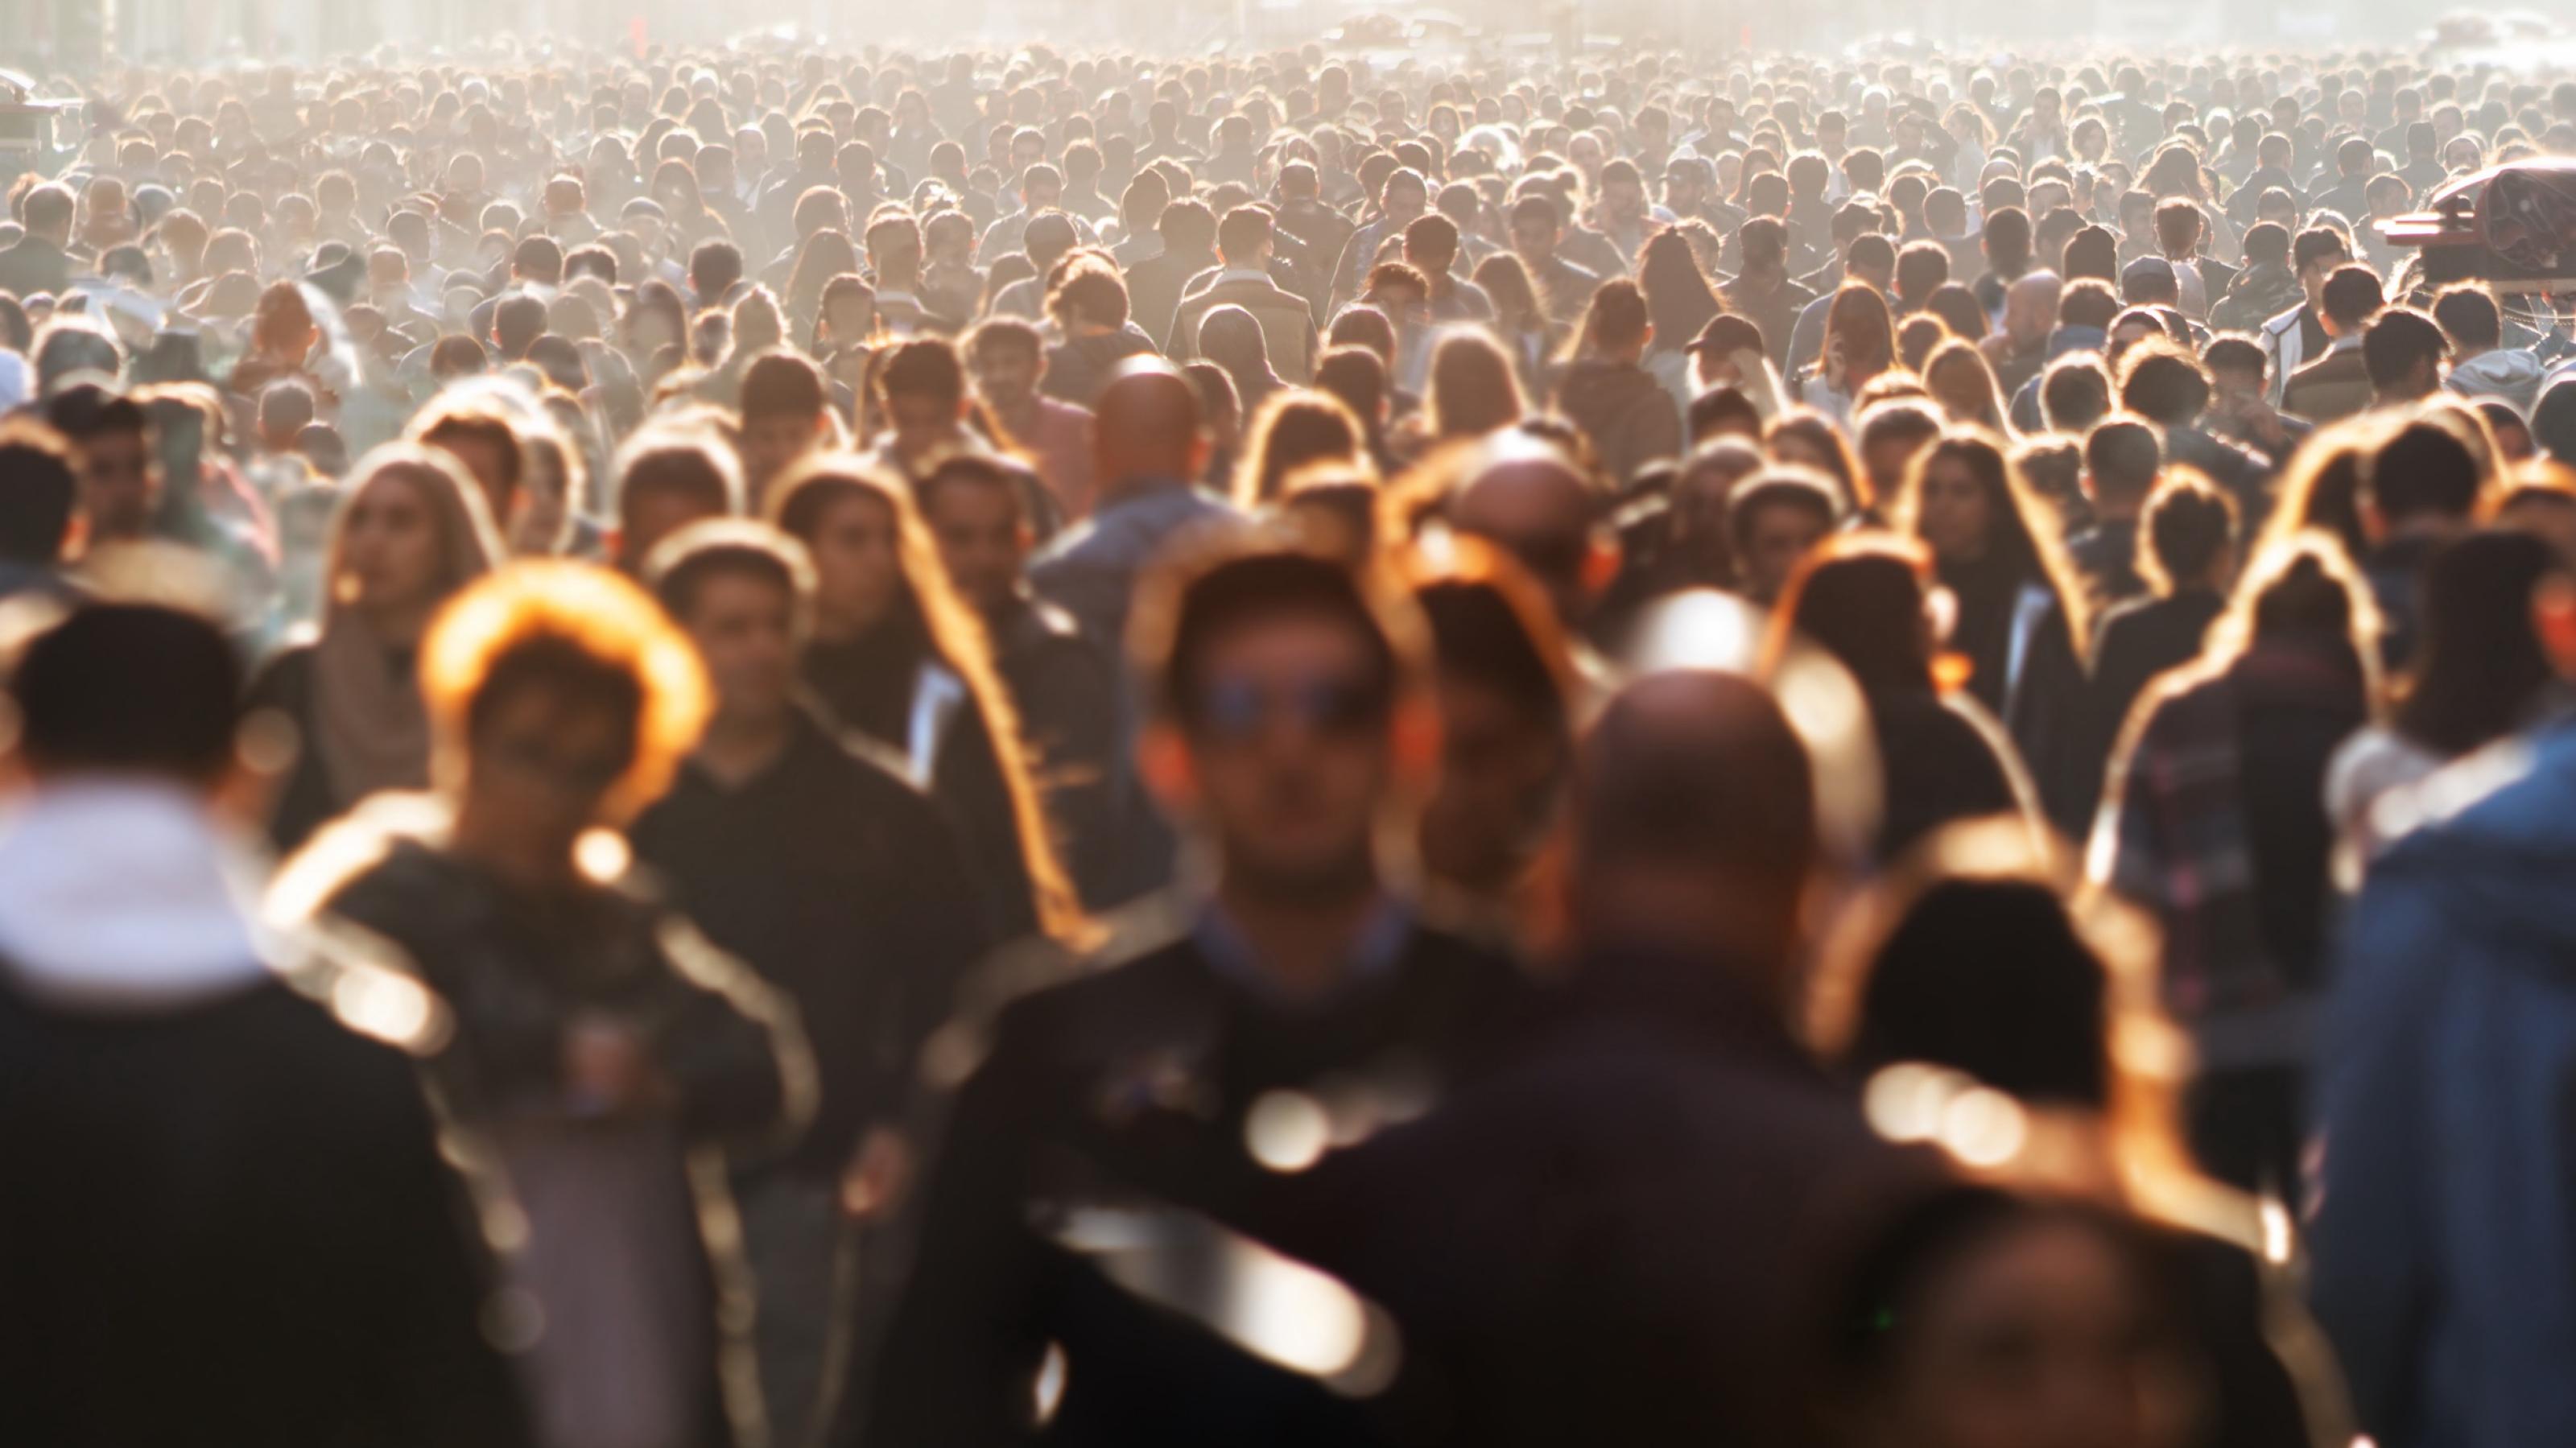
x,y
369,724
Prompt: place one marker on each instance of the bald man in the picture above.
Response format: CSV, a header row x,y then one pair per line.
x,y
1147,446
1630,1234
1526,499
2019,349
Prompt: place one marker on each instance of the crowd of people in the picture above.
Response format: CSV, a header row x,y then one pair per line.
x,y
907,750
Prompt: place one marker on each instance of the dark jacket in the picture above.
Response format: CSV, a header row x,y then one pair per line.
x,y
2331,388
515,974
226,1220
1287,320
1636,1232
1629,416
2107,555
2444,1210
31,265
2136,642
2025,668
1945,759
1067,698
889,686
836,880
1078,368
1126,1090
1154,288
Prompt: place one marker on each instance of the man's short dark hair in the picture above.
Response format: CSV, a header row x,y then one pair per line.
x,y
1186,226
2400,340
923,367
2087,303
713,269
2469,315
38,489
2123,455
1778,488
86,410
1872,252
2074,392
518,321
539,258
1244,231
2267,243
713,548
683,466
783,384
1921,268
1006,334
2162,383
2188,521
2317,243
2235,352
2352,295
1201,603
130,688
2422,470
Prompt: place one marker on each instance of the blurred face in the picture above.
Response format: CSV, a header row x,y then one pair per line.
x,y
2035,1340
540,769
1955,516
745,631
487,462
648,516
1533,236
771,442
1006,376
1779,537
1499,769
389,549
920,423
1405,202
981,540
857,574
1289,740
1624,200
120,488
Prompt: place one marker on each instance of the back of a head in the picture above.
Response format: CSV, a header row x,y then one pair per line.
x,y
2123,456
37,492
128,689
2423,470
2469,316
1700,771
2400,343
782,384
2351,296
1991,978
2553,421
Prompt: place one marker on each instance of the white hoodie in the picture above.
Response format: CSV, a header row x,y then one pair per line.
x,y
2514,376
124,895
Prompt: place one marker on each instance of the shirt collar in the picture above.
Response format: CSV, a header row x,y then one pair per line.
x,y
1376,948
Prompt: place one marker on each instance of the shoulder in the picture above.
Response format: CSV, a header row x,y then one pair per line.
x,y
284,679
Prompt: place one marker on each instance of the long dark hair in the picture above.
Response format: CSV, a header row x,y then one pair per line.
x,y
2482,661
2021,537
1679,300
825,255
1860,597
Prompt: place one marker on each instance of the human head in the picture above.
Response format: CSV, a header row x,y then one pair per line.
x,y
743,591
2404,351
39,490
560,700
411,530
2190,534
1774,519
786,413
666,480
128,689
975,507
482,439
111,443
2317,253
2122,460
1695,826
2421,477
1531,502
1290,722
1506,685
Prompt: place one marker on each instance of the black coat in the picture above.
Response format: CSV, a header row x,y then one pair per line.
x,y
1633,1234
228,1224
1945,760
1129,1088
840,884
1066,695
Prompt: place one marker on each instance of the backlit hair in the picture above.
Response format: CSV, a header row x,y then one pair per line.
x,y
577,609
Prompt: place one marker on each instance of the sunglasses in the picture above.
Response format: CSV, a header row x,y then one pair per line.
x,y
1237,711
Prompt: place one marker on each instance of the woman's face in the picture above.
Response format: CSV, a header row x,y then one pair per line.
x,y
1959,392
2036,1338
849,319
1955,517
389,549
857,574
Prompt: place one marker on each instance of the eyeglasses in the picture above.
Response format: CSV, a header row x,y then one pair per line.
x,y
1237,711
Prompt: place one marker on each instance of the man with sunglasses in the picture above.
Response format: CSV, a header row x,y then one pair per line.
x,y
1178,1091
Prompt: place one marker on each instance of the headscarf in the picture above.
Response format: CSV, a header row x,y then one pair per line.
x,y
368,723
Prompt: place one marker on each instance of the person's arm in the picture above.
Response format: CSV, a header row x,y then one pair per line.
x,y
733,1051
2370,1230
